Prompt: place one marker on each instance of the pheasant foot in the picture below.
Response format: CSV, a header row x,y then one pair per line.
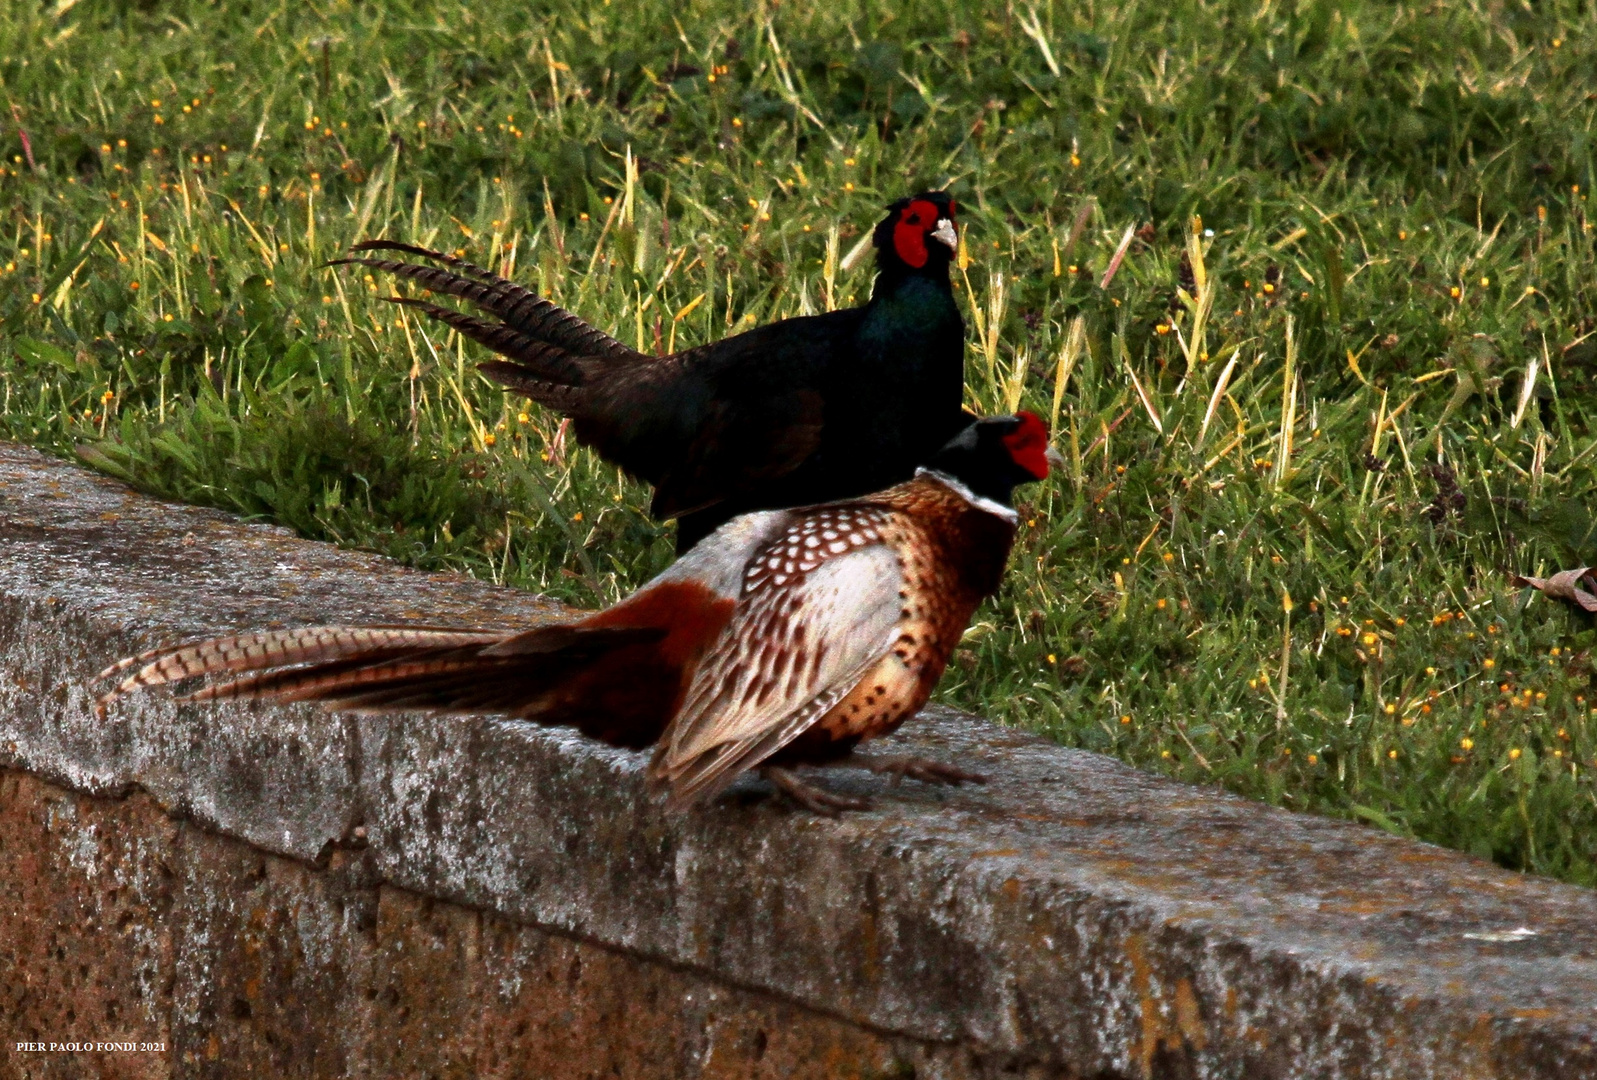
x,y
923,769
814,799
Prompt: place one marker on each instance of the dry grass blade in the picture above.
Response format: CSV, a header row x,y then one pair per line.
x,y
1220,385
1075,342
1118,257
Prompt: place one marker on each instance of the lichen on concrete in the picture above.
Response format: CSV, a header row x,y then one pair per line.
x,y
1074,917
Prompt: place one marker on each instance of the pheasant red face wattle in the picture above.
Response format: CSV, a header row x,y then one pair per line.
x,y
1028,444
916,222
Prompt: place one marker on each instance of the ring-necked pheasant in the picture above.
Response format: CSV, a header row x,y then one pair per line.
x,y
800,411
786,637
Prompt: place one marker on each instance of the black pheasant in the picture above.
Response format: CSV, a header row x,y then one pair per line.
x,y
786,637
800,411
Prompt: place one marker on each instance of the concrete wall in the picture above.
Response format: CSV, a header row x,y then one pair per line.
x,y
288,892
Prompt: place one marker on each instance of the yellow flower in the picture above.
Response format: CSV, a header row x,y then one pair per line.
x,y
1488,663
1126,719
1368,639
1314,759
1467,743
1513,755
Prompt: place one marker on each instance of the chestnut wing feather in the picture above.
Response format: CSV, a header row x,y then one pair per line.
x,y
810,624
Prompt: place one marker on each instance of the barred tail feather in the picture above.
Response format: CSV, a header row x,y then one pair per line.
x,y
560,397
519,307
528,673
546,362
340,681
280,648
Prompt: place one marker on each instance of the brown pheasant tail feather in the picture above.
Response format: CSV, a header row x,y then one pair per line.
x,y
547,674
344,681
280,648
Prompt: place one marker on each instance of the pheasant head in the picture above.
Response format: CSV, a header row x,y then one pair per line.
x,y
918,235
992,457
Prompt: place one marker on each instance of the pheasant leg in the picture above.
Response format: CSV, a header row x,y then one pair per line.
x,y
923,769
815,800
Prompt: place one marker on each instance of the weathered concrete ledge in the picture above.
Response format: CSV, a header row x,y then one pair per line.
x,y
485,892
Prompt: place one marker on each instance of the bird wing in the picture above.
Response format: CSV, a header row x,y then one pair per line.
x,y
820,605
729,417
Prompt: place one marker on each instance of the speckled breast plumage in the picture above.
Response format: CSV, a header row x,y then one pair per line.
x,y
951,555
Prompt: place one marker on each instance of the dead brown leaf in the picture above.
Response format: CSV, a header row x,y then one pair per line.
x,y
1565,585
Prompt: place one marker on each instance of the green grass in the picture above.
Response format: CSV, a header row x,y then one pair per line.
x,y
1397,278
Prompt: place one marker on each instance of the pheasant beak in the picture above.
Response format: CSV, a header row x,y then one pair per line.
x,y
945,233
1055,458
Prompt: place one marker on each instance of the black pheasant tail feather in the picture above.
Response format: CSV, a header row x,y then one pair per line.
x,y
518,307
535,361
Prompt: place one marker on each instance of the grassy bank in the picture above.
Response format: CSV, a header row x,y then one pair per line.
x,y
1339,387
